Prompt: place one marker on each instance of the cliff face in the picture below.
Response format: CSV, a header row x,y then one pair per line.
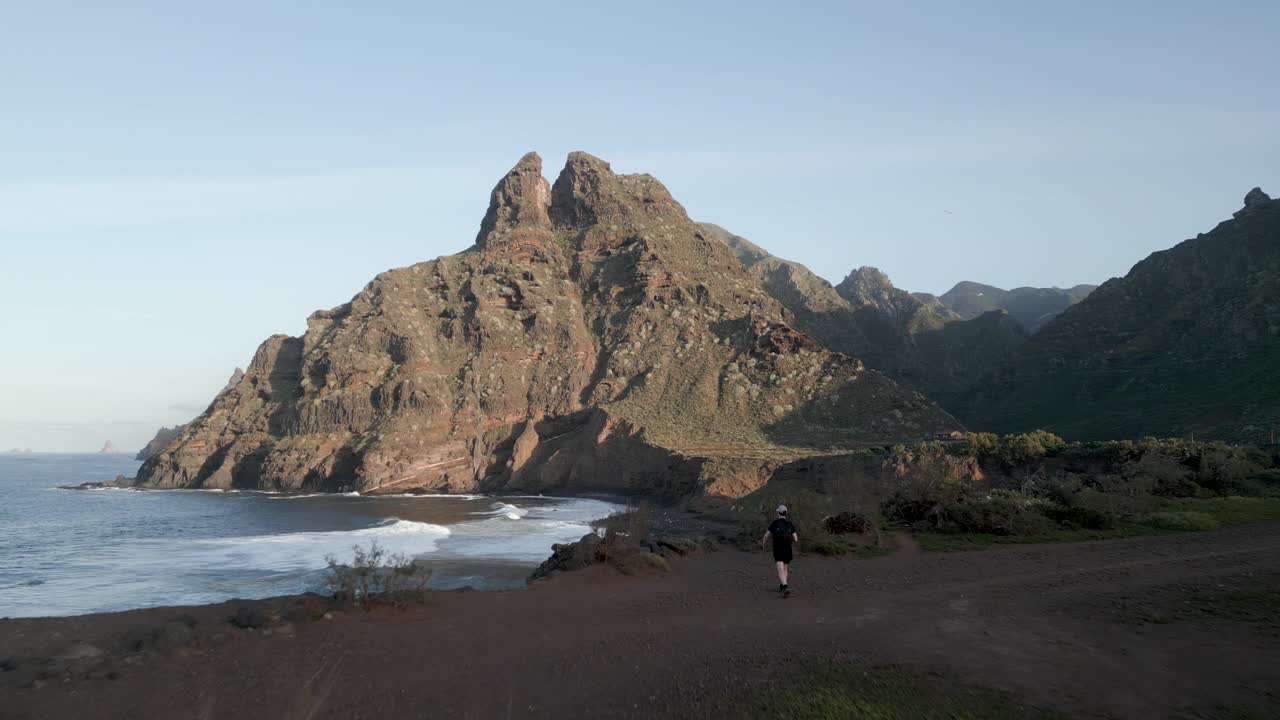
x,y
1187,343
593,338
163,437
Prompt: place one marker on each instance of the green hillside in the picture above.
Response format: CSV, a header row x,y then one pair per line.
x,y
1187,343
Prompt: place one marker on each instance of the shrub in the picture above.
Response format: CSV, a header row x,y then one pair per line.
x,y
640,562
1117,505
1227,470
852,522
821,543
1180,520
1003,512
983,443
624,543
376,577
1160,474
1080,518
1016,450
1000,512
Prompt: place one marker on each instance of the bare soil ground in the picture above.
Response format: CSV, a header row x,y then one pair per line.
x,y
1124,628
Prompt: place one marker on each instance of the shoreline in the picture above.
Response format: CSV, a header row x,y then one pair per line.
x,y
203,554
488,554
1086,638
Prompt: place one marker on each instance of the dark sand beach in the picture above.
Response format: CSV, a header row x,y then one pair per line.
x,y
1099,629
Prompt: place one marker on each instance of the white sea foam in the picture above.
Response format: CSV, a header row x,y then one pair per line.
x,y
282,552
529,540
431,495
507,510
90,569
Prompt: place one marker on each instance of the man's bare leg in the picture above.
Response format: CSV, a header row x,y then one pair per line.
x,y
782,572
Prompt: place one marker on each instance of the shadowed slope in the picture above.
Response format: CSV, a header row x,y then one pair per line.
x,y
1187,342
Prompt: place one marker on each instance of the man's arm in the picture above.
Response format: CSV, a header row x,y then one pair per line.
x,y
764,537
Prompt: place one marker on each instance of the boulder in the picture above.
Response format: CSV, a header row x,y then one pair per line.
x,y
570,556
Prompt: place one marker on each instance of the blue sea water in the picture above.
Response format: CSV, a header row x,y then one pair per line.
x,y
68,552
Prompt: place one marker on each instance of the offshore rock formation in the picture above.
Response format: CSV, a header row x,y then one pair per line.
x,y
593,338
1187,343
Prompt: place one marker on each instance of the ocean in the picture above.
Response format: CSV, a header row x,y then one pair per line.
x,y
69,552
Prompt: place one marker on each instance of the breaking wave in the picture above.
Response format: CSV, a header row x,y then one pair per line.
x,y
308,550
507,510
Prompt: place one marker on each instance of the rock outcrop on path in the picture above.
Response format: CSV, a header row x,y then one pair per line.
x,y
592,339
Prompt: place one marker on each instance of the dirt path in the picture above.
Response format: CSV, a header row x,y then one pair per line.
x,y
1058,624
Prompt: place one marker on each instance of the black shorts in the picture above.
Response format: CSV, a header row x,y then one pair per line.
x,y
782,553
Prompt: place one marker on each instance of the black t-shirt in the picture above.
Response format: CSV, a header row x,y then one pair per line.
x,y
782,531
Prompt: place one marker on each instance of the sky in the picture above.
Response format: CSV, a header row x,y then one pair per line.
x,y
180,180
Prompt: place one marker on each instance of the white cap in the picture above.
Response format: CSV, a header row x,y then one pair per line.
x,y
782,509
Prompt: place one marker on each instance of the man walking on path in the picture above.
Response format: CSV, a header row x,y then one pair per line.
x,y
783,534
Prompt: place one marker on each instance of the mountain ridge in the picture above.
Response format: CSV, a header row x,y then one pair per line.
x,y
1185,343
921,344
1033,307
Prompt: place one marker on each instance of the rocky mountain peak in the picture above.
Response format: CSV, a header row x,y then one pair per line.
x,y
864,283
1255,199
522,197
587,192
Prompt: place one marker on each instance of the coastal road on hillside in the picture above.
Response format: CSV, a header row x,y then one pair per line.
x,y
1091,629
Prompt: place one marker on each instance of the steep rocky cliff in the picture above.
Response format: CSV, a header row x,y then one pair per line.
x,y
1187,343
923,344
593,338
163,437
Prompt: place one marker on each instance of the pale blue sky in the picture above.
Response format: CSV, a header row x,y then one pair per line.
x,y
177,183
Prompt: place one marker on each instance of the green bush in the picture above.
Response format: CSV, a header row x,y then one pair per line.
x,y
983,443
1003,512
1179,520
1080,518
1114,504
852,522
1000,512
640,562
1227,470
822,543
1161,474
